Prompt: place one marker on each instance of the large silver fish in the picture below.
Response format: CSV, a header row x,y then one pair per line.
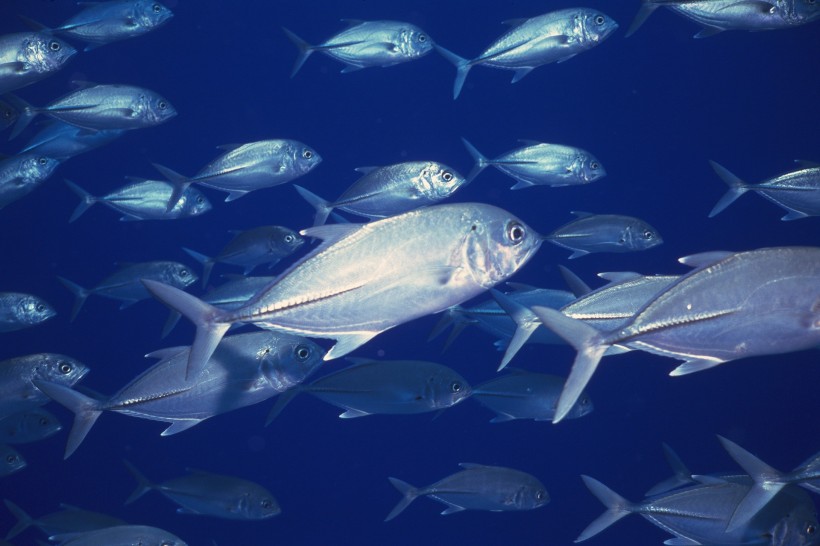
x,y
69,519
120,535
27,57
17,391
372,277
18,311
604,233
552,37
63,141
732,305
367,43
28,426
21,174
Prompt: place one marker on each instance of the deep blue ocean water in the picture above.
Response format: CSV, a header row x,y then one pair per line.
x,y
653,108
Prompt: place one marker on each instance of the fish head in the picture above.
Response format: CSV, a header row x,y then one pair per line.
x,y
10,460
638,235
438,181
530,495
179,275
33,310
302,157
259,505
42,421
43,52
413,42
156,109
284,241
150,14
590,169
797,528
287,360
58,368
36,168
193,202
597,26
446,388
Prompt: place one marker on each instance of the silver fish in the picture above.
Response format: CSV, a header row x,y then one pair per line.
x,y
69,519
390,190
21,174
120,535
105,22
245,369
798,191
604,233
367,43
18,393
732,305
385,387
552,37
541,164
10,460
18,311
144,200
27,57
206,494
372,277
28,426
718,15
478,487
63,141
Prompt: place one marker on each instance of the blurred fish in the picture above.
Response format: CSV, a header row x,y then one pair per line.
x,y
719,15
552,37
798,191
367,43
478,487
250,248
120,535
63,141
144,200
372,277
245,369
541,164
125,285
69,519
527,395
27,57
386,387
8,115
28,426
10,460
732,305
205,494
604,233
387,191
18,311
18,393
21,174
248,167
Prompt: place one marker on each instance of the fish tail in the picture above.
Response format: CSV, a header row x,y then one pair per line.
x,y
525,320
281,401
24,521
206,262
322,207
646,9
206,318
80,295
305,50
481,162
590,346
616,508
86,410
26,113
737,187
86,200
180,184
462,65
410,493
143,484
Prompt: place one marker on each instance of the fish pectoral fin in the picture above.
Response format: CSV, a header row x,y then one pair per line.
x,y
695,365
352,414
502,418
234,195
346,343
188,511
708,31
794,215
704,258
681,541
520,73
351,68
179,426
452,509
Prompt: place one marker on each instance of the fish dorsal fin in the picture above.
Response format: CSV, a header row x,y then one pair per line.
x,y
330,233
350,23
705,258
521,287
366,170
200,472
619,276
574,283
581,214
806,164
168,352
472,465
230,146
512,23
530,142
680,541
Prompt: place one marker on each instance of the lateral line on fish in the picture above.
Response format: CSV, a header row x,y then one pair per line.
x,y
689,319
289,304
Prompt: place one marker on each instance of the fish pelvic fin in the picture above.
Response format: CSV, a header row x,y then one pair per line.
x,y
305,50
86,200
80,295
410,493
209,322
737,187
646,9
525,320
86,410
143,484
462,65
322,207
616,508
24,521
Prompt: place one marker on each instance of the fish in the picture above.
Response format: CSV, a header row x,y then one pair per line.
x,y
28,426
365,44
798,191
718,15
732,305
17,390
477,487
372,277
102,107
23,173
250,248
604,233
18,311
120,535
144,200
28,57
385,387
244,168
206,494
63,141
69,519
541,164
245,369
552,37
10,460
527,395
390,190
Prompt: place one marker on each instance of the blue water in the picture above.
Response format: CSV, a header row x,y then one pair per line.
x,y
653,108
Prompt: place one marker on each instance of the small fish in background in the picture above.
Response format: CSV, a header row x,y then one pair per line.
x,y
251,248
718,15
27,57
28,426
63,141
8,115
541,164
244,168
144,200
553,37
18,311
10,460
68,519
477,487
604,233
798,191
390,190
17,390
125,535
205,494
21,174
365,44
384,387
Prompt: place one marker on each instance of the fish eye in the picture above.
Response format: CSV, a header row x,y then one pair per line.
x,y
157,8
599,20
183,273
42,160
11,459
200,200
40,307
266,503
44,421
65,368
811,529
447,176
540,495
54,45
455,386
422,38
289,238
307,154
648,235
515,232
162,105
594,165
302,352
